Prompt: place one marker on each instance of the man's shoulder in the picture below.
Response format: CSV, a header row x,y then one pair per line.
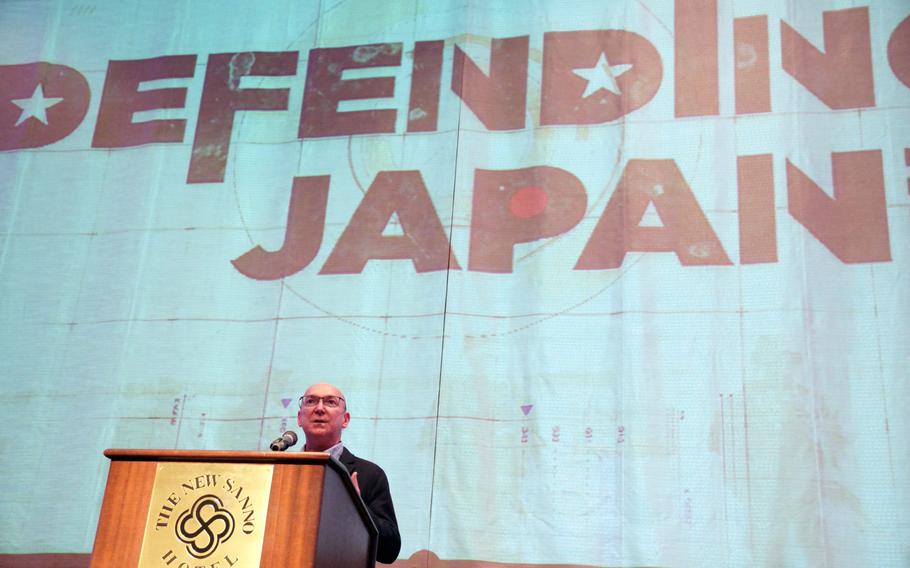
x,y
354,463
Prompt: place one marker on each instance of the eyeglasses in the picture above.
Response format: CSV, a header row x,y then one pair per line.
x,y
311,401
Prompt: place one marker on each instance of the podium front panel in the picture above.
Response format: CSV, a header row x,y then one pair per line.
x,y
206,514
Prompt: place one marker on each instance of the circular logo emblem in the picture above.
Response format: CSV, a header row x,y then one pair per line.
x,y
204,526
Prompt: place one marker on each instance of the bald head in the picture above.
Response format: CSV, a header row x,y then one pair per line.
x,y
323,415
324,389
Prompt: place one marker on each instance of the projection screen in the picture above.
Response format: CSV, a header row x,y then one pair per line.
x,y
604,283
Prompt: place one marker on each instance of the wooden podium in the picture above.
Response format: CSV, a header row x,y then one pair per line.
x,y
173,509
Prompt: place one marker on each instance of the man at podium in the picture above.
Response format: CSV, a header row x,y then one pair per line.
x,y
323,415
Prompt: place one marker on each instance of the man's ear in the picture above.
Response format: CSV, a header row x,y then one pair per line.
x,y
347,419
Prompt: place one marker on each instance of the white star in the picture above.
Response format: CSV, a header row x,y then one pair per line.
x,y
601,76
36,106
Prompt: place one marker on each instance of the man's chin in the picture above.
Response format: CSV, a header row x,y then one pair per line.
x,y
317,429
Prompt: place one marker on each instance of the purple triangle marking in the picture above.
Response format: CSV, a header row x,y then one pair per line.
x,y
526,408
285,402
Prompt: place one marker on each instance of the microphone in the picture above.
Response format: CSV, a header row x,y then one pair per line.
x,y
286,440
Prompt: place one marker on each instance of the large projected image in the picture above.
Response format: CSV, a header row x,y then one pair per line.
x,y
603,283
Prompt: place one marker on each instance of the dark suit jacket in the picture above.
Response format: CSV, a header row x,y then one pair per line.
x,y
374,490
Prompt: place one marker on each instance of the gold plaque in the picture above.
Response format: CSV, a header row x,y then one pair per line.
x,y
206,515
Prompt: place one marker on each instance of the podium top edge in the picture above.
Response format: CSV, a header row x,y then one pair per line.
x,y
120,454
